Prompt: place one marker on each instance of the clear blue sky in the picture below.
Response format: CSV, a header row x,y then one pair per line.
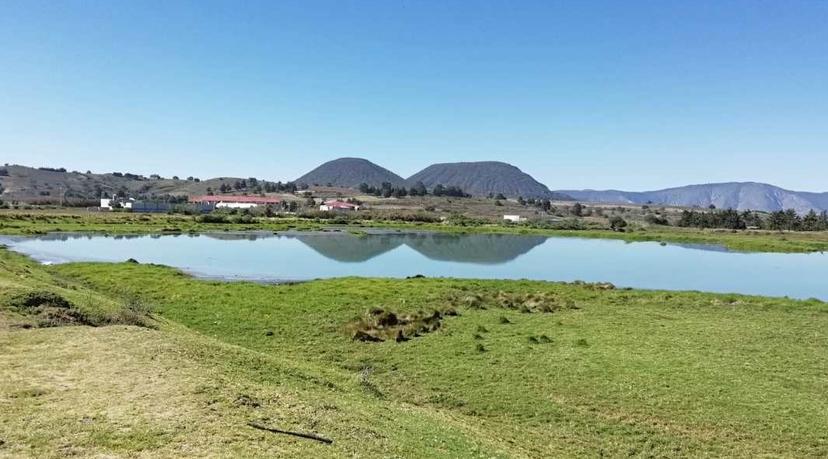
x,y
619,94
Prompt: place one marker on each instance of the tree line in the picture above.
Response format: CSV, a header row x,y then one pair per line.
x,y
254,185
780,220
387,190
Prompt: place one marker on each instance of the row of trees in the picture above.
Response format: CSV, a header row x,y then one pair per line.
x,y
780,220
387,190
253,185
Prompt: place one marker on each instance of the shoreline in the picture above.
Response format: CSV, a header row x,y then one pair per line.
x,y
29,224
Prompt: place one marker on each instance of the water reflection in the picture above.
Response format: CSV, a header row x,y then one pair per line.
x,y
467,248
300,256
347,247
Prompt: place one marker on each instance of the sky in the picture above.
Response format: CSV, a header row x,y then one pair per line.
x,y
631,95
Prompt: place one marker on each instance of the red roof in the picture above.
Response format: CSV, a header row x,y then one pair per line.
x,y
240,199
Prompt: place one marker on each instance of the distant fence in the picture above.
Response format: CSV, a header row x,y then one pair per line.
x,y
164,207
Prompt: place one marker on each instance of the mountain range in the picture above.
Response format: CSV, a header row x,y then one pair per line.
x,y
733,195
484,178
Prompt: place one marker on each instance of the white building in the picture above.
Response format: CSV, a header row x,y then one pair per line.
x,y
112,203
513,218
342,206
235,202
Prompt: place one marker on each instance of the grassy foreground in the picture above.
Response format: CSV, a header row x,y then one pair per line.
x,y
42,222
524,369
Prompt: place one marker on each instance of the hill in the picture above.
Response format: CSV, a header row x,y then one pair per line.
x,y
484,178
49,185
735,195
350,173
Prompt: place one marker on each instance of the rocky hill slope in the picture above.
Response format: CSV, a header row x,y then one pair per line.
x,y
735,195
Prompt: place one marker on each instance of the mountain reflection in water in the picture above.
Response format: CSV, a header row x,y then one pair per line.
x,y
466,248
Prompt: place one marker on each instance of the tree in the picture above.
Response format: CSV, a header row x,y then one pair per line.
x,y
811,221
577,209
419,189
500,197
786,220
400,192
617,223
387,189
521,201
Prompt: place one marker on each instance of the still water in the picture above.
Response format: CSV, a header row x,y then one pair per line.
x,y
302,256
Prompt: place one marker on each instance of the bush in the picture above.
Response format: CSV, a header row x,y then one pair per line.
x,y
134,312
656,220
244,219
38,298
213,218
617,223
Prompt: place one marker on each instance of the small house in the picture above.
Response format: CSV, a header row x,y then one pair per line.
x,y
338,206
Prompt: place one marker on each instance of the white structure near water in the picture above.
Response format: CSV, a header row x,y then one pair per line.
x,y
513,218
111,203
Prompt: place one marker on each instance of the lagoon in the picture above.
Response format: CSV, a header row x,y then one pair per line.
x,y
302,256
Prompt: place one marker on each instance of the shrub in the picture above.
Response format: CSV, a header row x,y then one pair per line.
x,y
656,220
617,223
213,218
134,312
38,298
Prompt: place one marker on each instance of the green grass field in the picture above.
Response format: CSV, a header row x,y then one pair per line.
x,y
525,369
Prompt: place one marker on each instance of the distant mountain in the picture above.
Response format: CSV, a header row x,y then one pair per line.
x,y
735,195
350,173
484,178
